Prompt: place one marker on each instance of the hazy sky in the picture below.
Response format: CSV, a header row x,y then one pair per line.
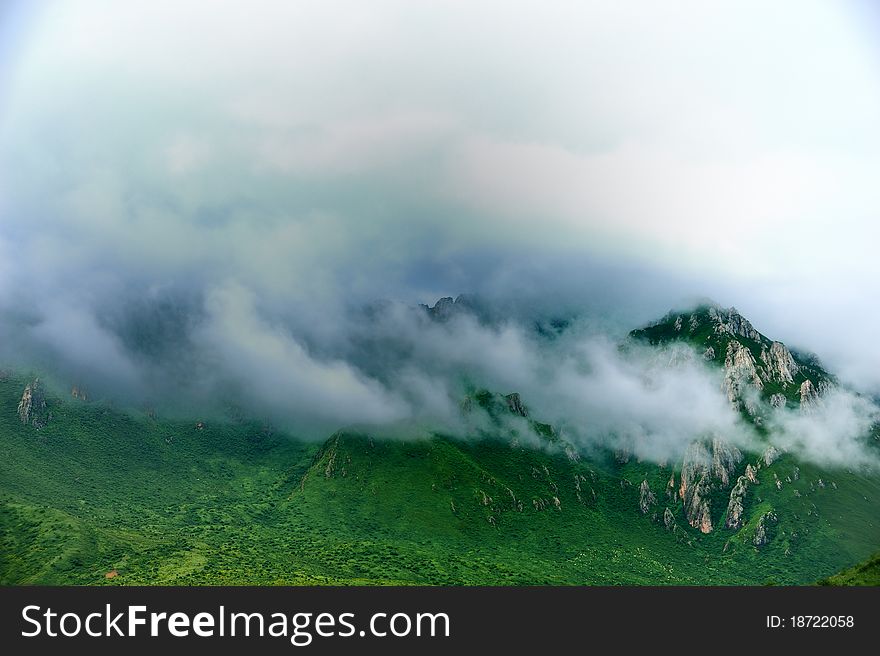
x,y
280,160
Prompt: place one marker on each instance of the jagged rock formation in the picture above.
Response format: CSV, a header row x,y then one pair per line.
x,y
771,454
732,322
735,506
515,405
756,370
809,396
670,487
448,307
779,364
669,520
701,472
751,474
32,408
79,393
739,371
764,529
646,497
697,510
725,459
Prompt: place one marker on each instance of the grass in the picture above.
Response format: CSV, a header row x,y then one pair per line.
x,y
100,490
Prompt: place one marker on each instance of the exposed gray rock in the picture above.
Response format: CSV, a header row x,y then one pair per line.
x,y
751,474
709,353
735,505
739,371
696,507
779,364
669,520
694,466
677,324
732,322
32,408
771,455
670,487
725,459
778,400
764,529
809,396
646,497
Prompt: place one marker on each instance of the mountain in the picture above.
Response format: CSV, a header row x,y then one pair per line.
x,y
97,494
751,361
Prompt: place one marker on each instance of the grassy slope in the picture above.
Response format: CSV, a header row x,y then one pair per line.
x,y
163,502
866,573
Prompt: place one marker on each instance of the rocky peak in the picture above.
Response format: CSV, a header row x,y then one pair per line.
x,y
447,307
732,322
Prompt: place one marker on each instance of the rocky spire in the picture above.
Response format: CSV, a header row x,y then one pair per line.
x,y
646,497
809,395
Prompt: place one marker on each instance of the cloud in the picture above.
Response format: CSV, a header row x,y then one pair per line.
x,y
266,176
833,433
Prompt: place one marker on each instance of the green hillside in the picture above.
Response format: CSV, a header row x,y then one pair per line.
x,y
100,492
865,573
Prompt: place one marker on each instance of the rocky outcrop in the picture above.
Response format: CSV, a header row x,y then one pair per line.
x,y
79,393
670,487
442,310
739,371
447,307
751,474
771,455
669,520
718,465
735,506
725,459
515,405
764,529
779,364
778,400
32,408
646,497
697,510
809,396
709,353
703,470
732,322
